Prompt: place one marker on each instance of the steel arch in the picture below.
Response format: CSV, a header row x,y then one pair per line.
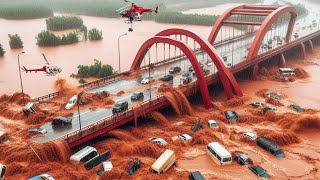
x,y
229,83
217,26
266,25
187,51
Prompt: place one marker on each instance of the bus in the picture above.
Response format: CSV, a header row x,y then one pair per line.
x,y
286,71
164,162
219,154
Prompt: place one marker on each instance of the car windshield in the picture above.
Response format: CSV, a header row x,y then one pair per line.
x,y
117,105
70,102
136,94
213,124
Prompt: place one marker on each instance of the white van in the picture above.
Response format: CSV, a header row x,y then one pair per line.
x,y
84,155
286,71
164,162
219,154
2,171
72,101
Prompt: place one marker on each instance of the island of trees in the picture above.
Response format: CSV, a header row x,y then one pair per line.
x,y
2,52
58,23
15,41
97,70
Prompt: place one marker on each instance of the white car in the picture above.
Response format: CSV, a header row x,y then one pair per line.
x,y
146,80
107,166
250,136
186,137
213,124
159,141
42,177
72,101
209,63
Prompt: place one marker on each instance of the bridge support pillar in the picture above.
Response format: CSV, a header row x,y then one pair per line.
x,y
303,51
311,45
282,62
255,71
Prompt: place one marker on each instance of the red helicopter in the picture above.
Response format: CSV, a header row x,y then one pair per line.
x,y
133,12
47,69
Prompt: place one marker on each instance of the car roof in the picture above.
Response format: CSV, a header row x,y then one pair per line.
x,y
186,135
212,121
250,134
74,97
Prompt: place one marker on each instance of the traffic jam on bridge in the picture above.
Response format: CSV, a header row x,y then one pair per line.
x,y
189,107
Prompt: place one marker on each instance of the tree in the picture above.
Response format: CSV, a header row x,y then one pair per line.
x,y
45,38
84,31
2,52
15,41
98,70
95,34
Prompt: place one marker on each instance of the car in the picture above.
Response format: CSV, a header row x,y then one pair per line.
x,y
137,95
191,69
209,63
186,80
243,159
228,64
61,121
72,101
120,106
273,95
186,74
196,176
297,108
185,137
231,115
3,170
159,141
4,137
29,108
42,177
196,126
270,146
213,124
267,108
167,77
264,46
296,35
225,58
174,69
37,130
107,165
146,80
205,71
257,104
259,171
250,136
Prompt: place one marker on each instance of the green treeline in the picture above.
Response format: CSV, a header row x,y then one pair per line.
x,y
15,41
45,38
2,52
64,22
24,12
98,70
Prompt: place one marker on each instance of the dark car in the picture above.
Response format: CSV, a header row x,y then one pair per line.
x,y
60,121
120,106
205,71
257,104
297,108
243,159
174,69
225,58
296,35
231,115
259,171
137,95
270,146
196,176
167,77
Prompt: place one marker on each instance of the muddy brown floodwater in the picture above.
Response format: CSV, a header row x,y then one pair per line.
x,y
68,57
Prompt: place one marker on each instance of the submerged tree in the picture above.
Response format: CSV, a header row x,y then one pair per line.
x,y
2,52
84,31
15,41
98,70
95,34
45,38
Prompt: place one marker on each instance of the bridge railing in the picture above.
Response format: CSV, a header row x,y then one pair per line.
x,y
47,97
110,120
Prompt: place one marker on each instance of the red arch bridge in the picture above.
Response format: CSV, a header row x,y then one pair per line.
x,y
242,37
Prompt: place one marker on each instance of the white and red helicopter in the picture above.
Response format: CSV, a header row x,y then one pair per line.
x,y
134,13
48,69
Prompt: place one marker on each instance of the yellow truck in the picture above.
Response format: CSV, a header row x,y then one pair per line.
x,y
164,162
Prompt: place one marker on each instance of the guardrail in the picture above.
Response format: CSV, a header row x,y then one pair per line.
x,y
47,97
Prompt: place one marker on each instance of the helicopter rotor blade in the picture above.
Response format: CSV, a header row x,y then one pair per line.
x,y
123,8
45,58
